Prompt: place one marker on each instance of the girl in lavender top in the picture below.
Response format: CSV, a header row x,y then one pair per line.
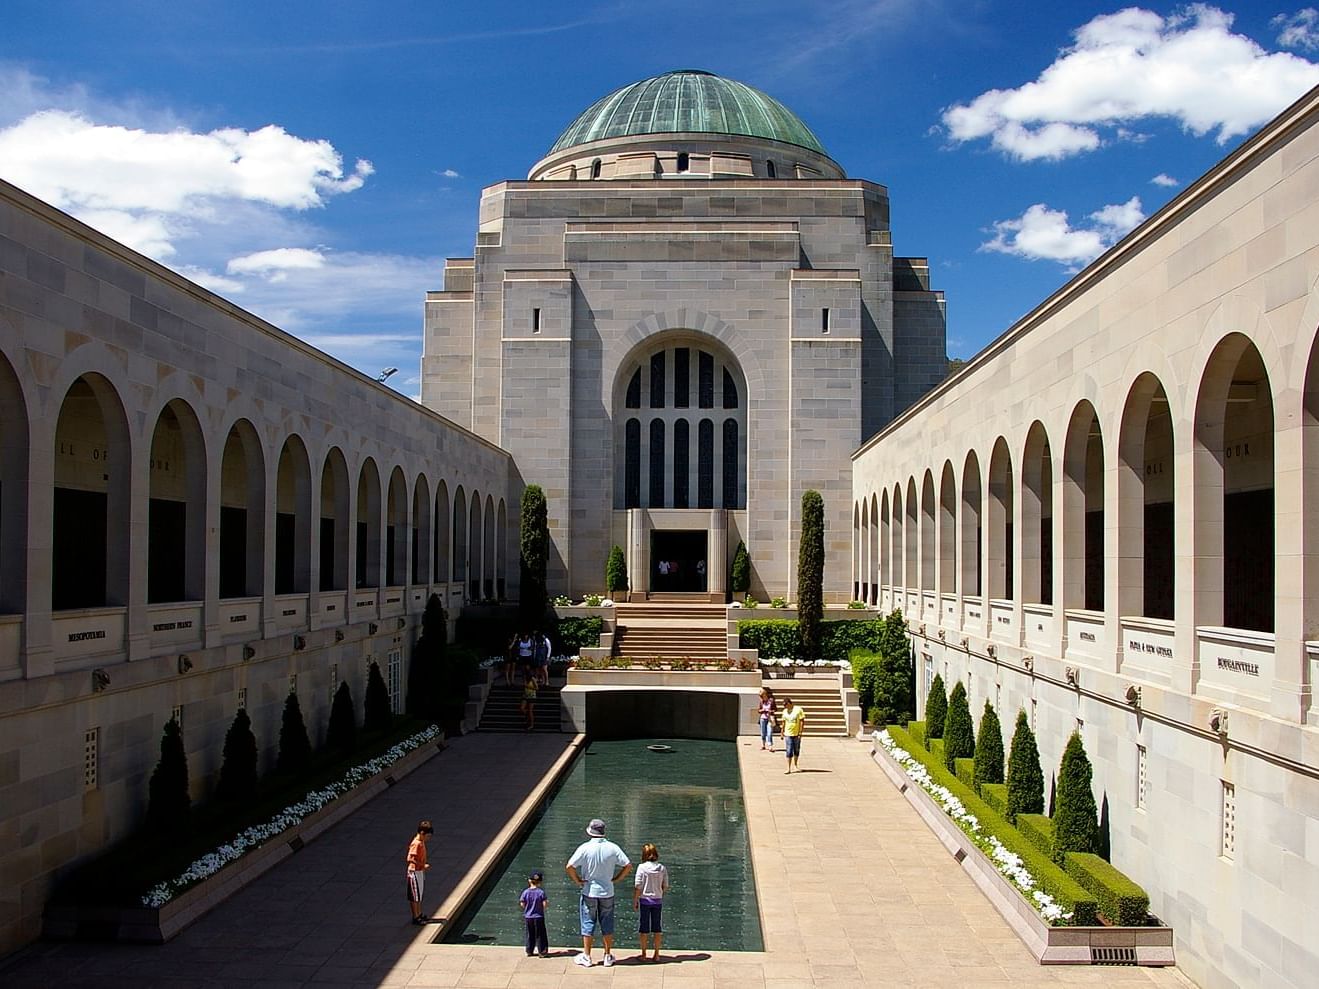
x,y
648,891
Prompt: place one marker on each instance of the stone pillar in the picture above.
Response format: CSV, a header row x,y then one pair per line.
x,y
716,564
638,552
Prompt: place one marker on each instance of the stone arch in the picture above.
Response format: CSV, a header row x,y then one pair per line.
x,y
488,545
970,535
1037,517
15,443
459,542
501,560
475,554
1083,510
1146,463
366,515
443,534
335,532
1001,548
397,539
911,532
293,517
176,506
242,512
885,542
421,542
874,550
947,552
860,520
929,531
899,541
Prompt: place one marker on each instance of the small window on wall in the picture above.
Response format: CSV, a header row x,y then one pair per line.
x,y
824,320
770,170
684,162
535,321
595,169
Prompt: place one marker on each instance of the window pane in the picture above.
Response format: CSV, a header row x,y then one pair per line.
x,y
656,464
681,451
632,465
681,377
706,385
657,381
730,465
634,391
730,391
705,465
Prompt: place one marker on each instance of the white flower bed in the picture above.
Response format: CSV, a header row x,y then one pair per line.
x,y
257,835
1007,862
788,661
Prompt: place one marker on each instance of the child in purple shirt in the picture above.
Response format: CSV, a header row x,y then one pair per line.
x,y
534,902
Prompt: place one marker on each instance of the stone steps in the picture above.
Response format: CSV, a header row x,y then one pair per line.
x,y
822,701
502,712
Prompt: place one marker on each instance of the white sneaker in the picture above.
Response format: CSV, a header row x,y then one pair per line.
x,y
609,960
583,960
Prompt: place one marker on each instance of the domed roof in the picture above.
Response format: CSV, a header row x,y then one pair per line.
x,y
687,101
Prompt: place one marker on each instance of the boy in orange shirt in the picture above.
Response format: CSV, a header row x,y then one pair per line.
x,y
417,866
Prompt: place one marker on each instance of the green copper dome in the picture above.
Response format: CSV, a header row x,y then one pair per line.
x,y
687,101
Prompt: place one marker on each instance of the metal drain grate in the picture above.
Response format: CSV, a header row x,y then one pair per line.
x,y
1112,956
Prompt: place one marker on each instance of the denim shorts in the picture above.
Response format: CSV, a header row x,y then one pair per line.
x,y
649,921
597,915
793,745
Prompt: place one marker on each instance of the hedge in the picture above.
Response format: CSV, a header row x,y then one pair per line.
x,y
916,729
777,638
1121,901
865,677
936,749
577,632
1038,829
966,772
996,795
1070,894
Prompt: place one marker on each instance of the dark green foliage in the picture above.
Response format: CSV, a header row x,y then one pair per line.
x,y
1075,819
810,575
965,770
865,677
1121,901
893,693
935,745
1105,849
1025,778
488,630
778,638
1069,894
377,716
838,639
616,570
457,673
874,716
238,770
1053,792
575,633
739,580
168,803
341,736
427,659
996,795
916,729
534,557
989,748
936,710
959,740
1038,830
294,745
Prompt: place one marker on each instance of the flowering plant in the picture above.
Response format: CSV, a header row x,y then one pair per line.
x,y
257,835
1008,863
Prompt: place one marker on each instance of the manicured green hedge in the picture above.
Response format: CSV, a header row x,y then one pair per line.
x,y
916,729
777,638
1121,901
996,795
1038,829
935,746
1070,895
865,675
576,633
966,772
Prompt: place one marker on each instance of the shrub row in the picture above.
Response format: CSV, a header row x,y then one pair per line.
x,y
1069,893
966,771
1038,830
575,633
996,795
778,638
1120,900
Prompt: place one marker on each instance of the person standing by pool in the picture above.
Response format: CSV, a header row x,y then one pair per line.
x,y
648,891
543,650
596,865
533,902
417,866
794,722
766,713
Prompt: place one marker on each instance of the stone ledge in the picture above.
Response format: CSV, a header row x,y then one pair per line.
x,y
1152,946
156,925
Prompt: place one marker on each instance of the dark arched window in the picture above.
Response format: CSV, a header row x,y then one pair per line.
x,y
730,464
705,382
730,391
705,464
657,380
681,456
682,377
595,169
656,463
684,162
633,400
632,466
770,170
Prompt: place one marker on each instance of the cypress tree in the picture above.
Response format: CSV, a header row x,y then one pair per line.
x,y
989,749
294,745
341,736
168,803
377,716
534,542
893,683
810,575
739,581
238,770
427,657
936,709
958,734
1075,820
1025,778
616,570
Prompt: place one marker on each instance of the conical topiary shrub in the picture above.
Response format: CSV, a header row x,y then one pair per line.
x,y
616,570
893,680
378,716
989,749
168,803
1025,777
936,710
810,576
533,557
427,657
1075,819
294,745
341,736
238,771
959,740
739,579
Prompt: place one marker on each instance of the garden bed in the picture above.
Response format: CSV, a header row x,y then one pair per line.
x,y
1050,943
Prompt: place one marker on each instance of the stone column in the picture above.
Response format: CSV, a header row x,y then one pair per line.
x,y
638,552
716,563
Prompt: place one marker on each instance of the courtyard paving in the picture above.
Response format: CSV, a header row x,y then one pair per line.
x,y
854,892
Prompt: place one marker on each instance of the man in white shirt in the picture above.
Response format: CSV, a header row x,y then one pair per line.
x,y
596,865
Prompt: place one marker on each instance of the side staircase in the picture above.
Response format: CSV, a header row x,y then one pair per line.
x,y
671,631
503,708
819,696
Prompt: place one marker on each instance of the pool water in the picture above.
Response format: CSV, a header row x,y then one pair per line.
x,y
687,801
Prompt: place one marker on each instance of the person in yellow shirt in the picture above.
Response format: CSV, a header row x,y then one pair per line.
x,y
794,722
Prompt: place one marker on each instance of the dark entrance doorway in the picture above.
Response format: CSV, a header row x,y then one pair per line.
x,y
678,560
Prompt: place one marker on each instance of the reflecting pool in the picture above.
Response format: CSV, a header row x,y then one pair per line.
x,y
687,801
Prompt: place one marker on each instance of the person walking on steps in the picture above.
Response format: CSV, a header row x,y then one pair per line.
x,y
417,866
596,865
794,722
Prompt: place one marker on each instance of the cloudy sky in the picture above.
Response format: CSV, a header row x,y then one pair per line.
x,y
315,163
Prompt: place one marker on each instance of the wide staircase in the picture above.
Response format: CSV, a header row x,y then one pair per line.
x,y
671,630
821,697
503,708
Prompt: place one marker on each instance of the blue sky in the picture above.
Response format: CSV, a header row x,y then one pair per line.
x,y
315,163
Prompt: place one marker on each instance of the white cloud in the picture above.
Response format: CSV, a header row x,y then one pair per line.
x,y
1135,65
449,173
277,263
1041,233
1165,180
1298,30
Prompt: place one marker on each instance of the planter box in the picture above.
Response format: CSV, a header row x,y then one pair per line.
x,y
1050,945
703,679
156,925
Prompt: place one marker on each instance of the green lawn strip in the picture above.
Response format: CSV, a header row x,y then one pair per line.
x,y
916,729
139,862
1121,901
1038,830
996,795
1068,893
